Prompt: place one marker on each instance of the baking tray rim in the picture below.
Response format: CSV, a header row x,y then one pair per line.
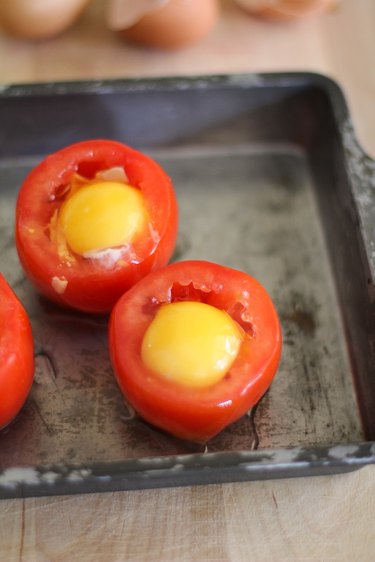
x,y
184,469
195,468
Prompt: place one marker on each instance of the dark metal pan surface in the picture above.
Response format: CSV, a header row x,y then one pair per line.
x,y
270,179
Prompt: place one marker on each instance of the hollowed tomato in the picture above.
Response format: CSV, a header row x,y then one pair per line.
x,y
191,412
16,354
88,278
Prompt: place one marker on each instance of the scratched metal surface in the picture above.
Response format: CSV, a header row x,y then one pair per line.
x,y
246,206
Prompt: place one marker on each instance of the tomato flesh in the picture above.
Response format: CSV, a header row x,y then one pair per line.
x,y
92,283
16,354
196,414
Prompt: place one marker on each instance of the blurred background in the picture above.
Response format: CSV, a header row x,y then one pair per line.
x,y
49,40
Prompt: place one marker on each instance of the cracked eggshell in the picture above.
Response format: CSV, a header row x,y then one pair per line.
x,y
39,19
287,10
162,23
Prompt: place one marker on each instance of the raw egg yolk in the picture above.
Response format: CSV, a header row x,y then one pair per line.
x,y
191,343
102,215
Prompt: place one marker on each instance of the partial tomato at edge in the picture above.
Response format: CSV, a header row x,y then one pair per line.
x,y
87,284
16,354
196,414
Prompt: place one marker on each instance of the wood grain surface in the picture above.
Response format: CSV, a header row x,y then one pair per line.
x,y
315,519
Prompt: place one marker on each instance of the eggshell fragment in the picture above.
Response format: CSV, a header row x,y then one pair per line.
x,y
163,23
39,19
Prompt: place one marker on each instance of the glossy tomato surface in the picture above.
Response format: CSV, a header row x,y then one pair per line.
x,y
76,281
188,413
16,354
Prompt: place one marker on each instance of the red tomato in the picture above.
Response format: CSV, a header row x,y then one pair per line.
x,y
77,281
196,414
16,354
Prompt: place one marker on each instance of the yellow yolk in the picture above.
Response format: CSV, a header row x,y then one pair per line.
x,y
191,343
102,215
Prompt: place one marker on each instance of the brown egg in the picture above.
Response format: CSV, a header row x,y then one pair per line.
x,y
39,19
287,10
163,23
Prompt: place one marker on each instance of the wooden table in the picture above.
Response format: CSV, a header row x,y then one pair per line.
x,y
322,518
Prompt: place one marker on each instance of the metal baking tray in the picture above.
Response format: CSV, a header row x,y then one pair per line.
x,y
271,180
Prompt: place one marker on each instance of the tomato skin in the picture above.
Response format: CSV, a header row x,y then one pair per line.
x,y
16,354
86,284
196,414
